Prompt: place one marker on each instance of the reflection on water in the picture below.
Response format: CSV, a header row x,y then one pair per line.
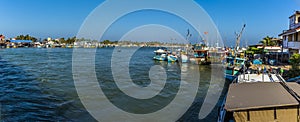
x,y
37,84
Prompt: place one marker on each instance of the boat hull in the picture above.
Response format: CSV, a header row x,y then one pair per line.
x,y
172,58
184,58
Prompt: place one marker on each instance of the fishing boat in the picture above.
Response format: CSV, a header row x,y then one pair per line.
x,y
161,55
264,98
183,57
233,67
172,58
200,56
234,64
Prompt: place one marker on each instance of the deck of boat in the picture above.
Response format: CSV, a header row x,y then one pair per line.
x,y
258,78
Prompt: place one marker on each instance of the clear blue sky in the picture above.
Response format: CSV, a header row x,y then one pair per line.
x,y
63,18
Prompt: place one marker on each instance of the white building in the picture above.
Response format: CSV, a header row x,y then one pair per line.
x,y
291,37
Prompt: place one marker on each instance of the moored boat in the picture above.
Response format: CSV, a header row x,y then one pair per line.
x,y
172,58
233,67
160,55
184,58
257,96
200,57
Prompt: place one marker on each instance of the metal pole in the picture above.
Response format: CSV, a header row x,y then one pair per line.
x,y
244,70
263,76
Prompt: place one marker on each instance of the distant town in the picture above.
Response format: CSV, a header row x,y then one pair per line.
x,y
25,41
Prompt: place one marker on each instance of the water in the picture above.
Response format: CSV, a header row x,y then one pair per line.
x,y
37,84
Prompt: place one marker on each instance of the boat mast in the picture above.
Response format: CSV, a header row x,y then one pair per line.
x,y
238,39
188,36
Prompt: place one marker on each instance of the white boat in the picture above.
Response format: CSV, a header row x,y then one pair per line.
x,y
184,58
160,55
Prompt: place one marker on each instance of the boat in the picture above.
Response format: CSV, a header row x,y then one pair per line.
x,y
183,58
172,58
234,64
262,97
200,57
160,55
233,67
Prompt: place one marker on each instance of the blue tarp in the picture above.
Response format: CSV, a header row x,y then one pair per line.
x,y
20,41
257,62
293,79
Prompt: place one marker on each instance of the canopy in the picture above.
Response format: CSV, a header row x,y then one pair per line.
x,y
295,87
257,95
257,62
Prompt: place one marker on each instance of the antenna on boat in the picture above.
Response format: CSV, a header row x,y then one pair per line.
x,y
188,35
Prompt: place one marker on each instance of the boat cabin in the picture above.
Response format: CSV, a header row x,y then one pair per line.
x,y
262,102
201,53
201,57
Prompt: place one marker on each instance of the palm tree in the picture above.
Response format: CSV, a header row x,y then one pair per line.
x,y
268,41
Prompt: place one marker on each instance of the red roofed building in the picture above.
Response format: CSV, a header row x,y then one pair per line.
x,y
291,37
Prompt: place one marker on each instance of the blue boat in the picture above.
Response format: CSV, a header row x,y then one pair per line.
x,y
172,58
160,55
201,57
233,67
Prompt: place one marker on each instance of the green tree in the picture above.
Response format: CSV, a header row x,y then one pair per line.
x,y
71,40
62,40
268,41
295,59
295,62
107,42
254,50
26,37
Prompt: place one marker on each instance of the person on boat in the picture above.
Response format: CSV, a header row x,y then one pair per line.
x,y
281,71
265,69
270,76
248,64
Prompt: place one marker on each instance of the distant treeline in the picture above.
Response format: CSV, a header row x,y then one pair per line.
x,y
74,39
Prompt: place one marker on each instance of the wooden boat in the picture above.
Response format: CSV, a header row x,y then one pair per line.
x,y
183,58
235,65
160,55
233,69
200,57
172,58
264,97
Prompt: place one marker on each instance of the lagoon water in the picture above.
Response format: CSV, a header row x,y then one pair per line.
x,y
37,84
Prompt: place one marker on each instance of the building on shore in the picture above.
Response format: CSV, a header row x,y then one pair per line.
x,y
291,37
19,43
2,41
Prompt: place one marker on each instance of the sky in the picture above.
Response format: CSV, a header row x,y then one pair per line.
x,y
64,18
